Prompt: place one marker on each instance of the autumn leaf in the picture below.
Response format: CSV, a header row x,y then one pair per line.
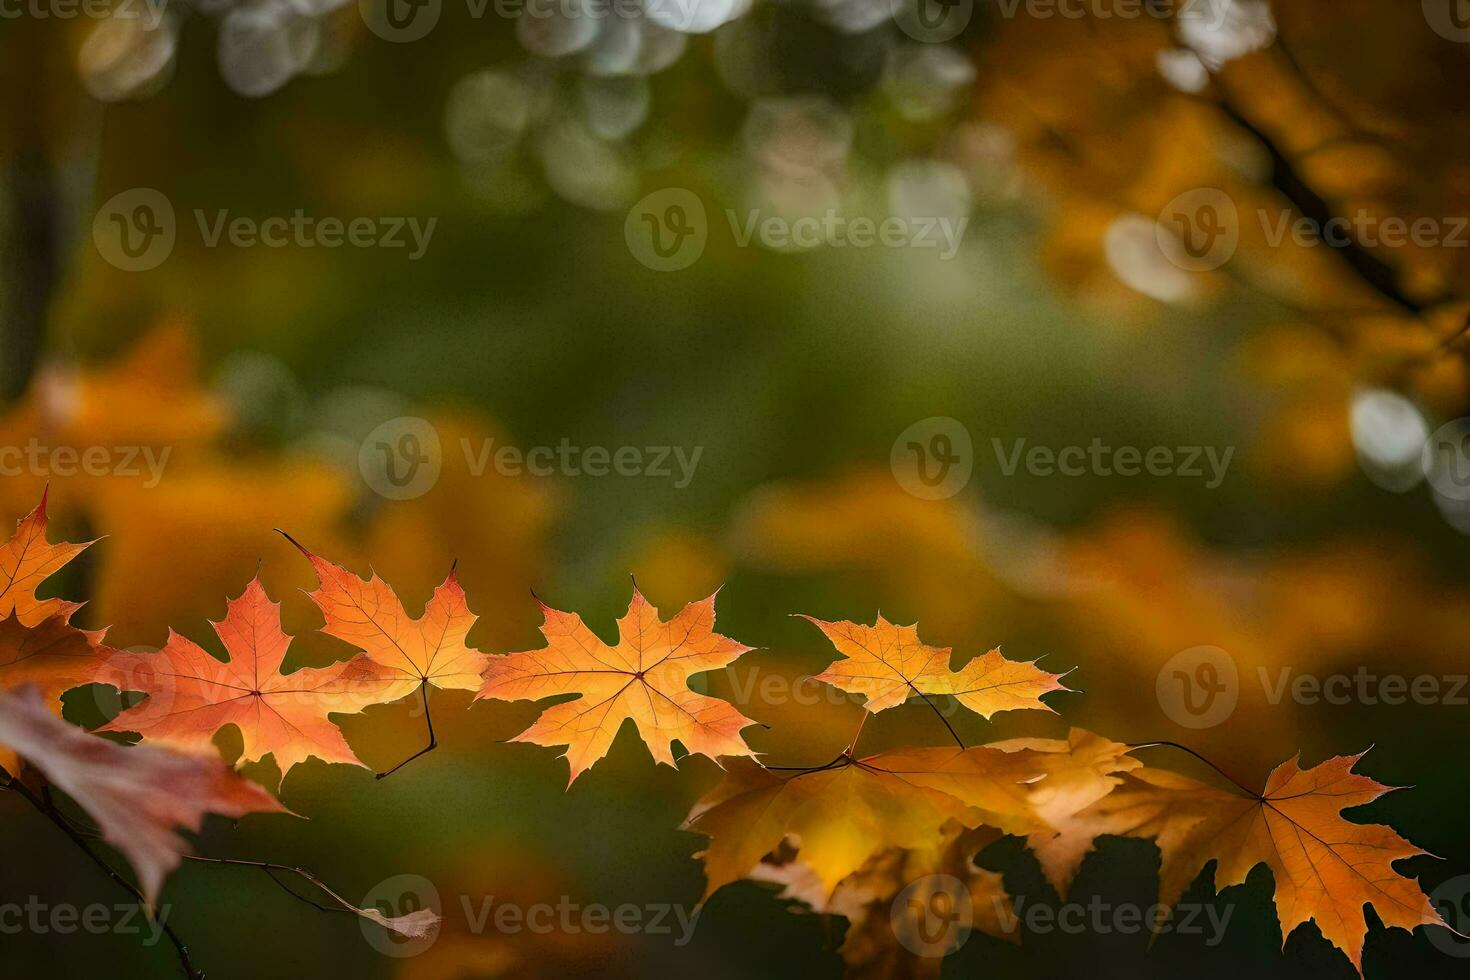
x,y
53,656
27,560
887,663
842,816
192,695
891,901
139,795
1325,867
852,809
426,652
38,645
644,678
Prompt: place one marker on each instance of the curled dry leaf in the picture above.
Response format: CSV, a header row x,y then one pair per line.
x,y
644,678
192,695
886,664
139,795
414,925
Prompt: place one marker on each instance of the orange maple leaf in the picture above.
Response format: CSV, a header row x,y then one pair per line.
x,y
192,695
139,795
27,560
886,663
644,678
413,653
1326,867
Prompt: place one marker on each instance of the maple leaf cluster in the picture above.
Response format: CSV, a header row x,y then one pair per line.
x,y
845,837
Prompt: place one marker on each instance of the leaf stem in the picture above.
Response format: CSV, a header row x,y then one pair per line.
x,y
858,734
433,740
1189,751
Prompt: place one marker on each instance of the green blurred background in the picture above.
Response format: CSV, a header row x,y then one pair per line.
x,y
530,319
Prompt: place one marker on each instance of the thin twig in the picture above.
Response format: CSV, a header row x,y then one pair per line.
x,y
51,813
268,868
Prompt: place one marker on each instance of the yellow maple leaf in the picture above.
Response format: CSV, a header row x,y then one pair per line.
x,y
643,679
886,663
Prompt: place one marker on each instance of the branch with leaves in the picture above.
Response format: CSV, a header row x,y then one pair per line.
x,y
845,836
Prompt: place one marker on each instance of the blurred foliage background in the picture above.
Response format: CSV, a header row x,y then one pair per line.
x,y
529,320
